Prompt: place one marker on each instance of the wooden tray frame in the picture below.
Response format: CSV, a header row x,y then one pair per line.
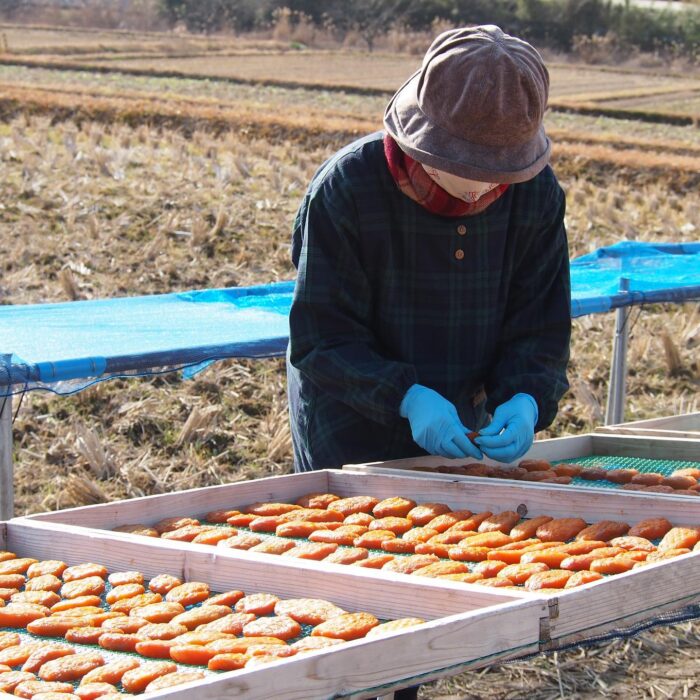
x,y
494,627
680,426
573,615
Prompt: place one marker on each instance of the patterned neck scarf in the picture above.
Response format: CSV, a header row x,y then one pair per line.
x,y
415,183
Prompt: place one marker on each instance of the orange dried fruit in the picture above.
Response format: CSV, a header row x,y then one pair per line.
x,y
9,639
554,578
578,562
603,530
567,469
32,688
136,679
470,524
273,545
156,648
127,590
163,583
519,573
45,598
70,668
535,465
550,557
264,523
84,635
375,562
359,519
227,662
52,567
446,520
560,529
502,522
161,630
126,605
158,612
347,626
660,555
675,538
396,506
468,553
16,566
317,500
243,540
647,479
419,534
487,539
312,550
46,653
12,581
268,508
630,542
90,585
193,654
398,546
119,641
56,626
307,611
184,534
214,535
298,528
241,519
393,626
229,624
409,564
395,524
613,565
257,603
282,627
354,504
18,654
344,535
220,516
188,593
92,691
582,577
83,571
496,582
527,528
123,578
581,546
442,568
11,679
489,568
373,538
21,614
200,615
124,623
111,672
348,555
173,523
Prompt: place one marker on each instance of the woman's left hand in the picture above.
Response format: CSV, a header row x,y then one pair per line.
x,y
511,432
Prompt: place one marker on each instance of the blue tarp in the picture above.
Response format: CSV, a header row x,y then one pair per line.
x,y
67,346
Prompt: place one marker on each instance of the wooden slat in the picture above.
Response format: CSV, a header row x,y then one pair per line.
x,y
689,422
193,502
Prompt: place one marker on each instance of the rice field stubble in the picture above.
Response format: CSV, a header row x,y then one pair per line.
x,y
94,210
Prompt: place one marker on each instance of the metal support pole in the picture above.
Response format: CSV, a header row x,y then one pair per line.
x,y
7,494
615,409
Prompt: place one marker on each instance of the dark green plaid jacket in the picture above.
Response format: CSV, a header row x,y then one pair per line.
x,y
388,294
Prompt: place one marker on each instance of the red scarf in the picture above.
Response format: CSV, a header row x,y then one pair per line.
x,y
415,183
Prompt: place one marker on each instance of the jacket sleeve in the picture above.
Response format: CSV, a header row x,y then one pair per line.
x,y
534,343
330,335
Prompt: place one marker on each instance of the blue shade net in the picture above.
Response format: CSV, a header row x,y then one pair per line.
x,y
65,347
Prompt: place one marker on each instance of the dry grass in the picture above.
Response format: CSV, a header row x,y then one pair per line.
x,y
94,207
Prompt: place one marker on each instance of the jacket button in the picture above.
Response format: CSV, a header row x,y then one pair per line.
x,y
459,254
461,229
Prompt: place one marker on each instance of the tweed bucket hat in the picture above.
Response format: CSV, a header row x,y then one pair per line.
x,y
475,107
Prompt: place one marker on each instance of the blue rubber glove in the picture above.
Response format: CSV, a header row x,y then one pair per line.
x,y
435,424
511,432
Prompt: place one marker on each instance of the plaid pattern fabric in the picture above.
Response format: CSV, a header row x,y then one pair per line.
x,y
415,183
389,294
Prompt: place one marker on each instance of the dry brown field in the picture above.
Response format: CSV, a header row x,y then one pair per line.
x,y
118,184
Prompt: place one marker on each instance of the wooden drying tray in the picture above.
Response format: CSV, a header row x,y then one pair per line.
x,y
466,629
683,426
573,615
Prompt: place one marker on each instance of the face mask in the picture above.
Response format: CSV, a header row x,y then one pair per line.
x,y
459,187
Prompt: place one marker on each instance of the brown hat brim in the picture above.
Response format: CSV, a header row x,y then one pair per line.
x,y
430,144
